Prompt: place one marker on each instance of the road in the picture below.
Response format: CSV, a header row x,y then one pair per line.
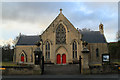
x,y
62,77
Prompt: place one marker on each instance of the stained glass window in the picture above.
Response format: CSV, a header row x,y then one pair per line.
x,y
60,35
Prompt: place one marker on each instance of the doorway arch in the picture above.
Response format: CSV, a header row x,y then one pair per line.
x,y
23,57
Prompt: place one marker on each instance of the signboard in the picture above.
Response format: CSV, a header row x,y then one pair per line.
x,y
105,58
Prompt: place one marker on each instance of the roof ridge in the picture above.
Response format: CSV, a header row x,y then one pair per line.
x,y
29,35
88,31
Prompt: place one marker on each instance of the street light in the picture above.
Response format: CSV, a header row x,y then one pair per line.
x,y
38,54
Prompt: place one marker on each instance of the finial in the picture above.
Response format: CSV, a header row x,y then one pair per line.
x,y
60,10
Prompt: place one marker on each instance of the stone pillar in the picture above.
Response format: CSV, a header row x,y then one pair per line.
x,y
85,61
85,67
37,69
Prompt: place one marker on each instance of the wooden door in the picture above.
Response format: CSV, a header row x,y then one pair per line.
x,y
64,59
58,59
22,58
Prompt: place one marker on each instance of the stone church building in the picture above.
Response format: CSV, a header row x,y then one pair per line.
x,y
62,43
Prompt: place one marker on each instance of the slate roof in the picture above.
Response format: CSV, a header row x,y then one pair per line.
x,y
93,37
88,36
28,40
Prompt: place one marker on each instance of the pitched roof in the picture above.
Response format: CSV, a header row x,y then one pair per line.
x,y
93,37
28,40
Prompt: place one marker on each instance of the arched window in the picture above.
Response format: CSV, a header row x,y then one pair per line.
x,y
60,35
47,53
74,46
97,52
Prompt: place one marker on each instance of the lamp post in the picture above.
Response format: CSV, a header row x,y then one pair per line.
x,y
80,63
42,43
42,57
38,54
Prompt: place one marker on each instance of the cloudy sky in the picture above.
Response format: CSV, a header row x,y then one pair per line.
x,y
32,18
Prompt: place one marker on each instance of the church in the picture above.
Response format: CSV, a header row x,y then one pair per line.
x,y
62,43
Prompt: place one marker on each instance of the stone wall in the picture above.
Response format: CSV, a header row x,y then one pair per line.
x,y
22,71
104,69
103,49
28,50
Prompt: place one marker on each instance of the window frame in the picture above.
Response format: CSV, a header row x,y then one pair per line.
x,y
47,50
74,50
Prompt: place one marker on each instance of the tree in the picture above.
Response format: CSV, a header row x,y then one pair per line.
x,y
8,50
7,53
118,35
84,29
6,47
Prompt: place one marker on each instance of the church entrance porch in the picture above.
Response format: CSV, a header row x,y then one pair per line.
x,y
61,55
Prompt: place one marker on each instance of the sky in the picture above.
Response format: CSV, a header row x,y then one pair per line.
x,y
32,18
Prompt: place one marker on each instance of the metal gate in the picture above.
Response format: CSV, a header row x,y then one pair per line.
x,y
80,63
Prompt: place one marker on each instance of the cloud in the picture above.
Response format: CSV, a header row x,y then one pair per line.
x,y
90,15
6,42
29,12
13,28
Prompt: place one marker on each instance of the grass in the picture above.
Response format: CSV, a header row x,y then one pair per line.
x,y
13,64
116,61
7,64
